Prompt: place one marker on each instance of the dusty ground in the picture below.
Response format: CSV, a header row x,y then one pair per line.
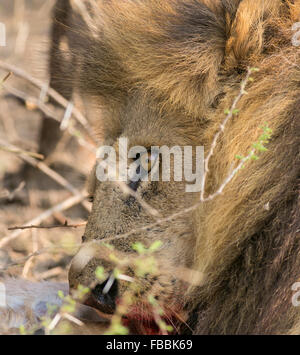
x,y
28,26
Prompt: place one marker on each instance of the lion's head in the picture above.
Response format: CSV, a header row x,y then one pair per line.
x,y
163,74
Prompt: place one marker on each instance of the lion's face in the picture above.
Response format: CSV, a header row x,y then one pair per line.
x,y
120,220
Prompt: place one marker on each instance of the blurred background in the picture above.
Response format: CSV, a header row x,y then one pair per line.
x,y
38,186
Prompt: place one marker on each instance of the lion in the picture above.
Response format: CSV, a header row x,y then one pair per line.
x,y
163,73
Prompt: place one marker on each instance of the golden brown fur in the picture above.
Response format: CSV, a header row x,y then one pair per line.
x,y
163,72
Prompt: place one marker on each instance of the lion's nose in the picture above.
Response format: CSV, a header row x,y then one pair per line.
x,y
104,296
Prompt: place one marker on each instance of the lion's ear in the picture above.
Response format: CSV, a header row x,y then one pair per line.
x,y
246,25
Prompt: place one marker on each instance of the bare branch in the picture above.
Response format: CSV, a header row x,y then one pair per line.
x,y
49,274
221,130
17,150
5,78
35,248
48,171
10,195
49,113
127,190
66,225
80,7
51,92
70,202
230,176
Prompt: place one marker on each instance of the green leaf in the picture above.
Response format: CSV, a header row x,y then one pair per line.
x,y
117,273
60,294
152,300
169,328
119,329
156,245
139,248
100,273
22,330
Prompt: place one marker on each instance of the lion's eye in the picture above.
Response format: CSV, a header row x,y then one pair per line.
x,y
148,161
141,167
91,198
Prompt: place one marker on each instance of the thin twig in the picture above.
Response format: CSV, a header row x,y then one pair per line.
x,y
49,113
72,319
53,324
35,248
221,130
21,151
51,92
5,78
49,274
48,171
81,8
11,195
70,202
22,261
230,176
128,191
66,225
